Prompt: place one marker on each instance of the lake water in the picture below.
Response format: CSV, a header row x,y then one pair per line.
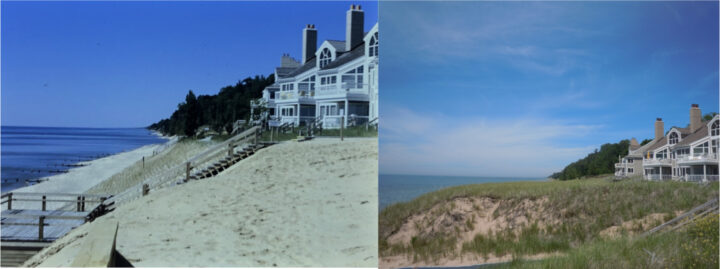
x,y
39,152
403,188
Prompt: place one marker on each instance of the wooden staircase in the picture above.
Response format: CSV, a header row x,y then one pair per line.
x,y
222,164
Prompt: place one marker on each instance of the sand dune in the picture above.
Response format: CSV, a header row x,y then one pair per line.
x,y
291,205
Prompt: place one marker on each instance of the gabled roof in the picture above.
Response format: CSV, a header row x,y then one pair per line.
x,y
357,52
697,135
639,151
310,64
339,45
284,71
658,143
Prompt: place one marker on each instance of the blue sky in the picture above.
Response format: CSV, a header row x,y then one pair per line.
x,y
128,64
524,88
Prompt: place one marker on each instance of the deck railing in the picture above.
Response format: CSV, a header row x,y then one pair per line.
x,y
44,198
658,177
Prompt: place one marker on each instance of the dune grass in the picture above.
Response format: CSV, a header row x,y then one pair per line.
x,y
585,207
693,247
157,165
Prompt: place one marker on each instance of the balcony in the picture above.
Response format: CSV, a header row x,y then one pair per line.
x,y
619,165
341,90
700,178
705,158
295,95
658,177
657,162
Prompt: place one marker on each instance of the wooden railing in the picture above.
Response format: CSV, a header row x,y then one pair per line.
x,y
181,171
216,150
40,222
80,199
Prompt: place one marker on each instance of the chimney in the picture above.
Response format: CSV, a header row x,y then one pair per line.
x,y
659,129
633,142
695,118
354,27
309,42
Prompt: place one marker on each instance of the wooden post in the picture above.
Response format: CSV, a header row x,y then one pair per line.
x,y
342,126
41,227
145,189
143,162
43,202
78,203
187,171
271,134
230,149
10,201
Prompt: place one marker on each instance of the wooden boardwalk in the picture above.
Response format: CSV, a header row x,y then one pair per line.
x,y
25,231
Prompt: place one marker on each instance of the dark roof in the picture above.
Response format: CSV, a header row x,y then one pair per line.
x,y
697,135
338,44
659,143
305,67
357,52
283,71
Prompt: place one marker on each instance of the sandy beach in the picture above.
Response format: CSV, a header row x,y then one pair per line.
x,y
293,204
82,179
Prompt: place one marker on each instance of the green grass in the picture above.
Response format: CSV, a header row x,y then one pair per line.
x,y
693,247
585,207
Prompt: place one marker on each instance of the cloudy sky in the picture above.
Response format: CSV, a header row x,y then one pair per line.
x,y
128,64
524,88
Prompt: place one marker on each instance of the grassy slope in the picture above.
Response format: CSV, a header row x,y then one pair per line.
x,y
585,207
693,247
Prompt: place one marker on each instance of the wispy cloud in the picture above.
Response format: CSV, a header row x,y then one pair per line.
x,y
427,143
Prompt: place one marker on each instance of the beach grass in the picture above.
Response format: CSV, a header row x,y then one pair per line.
x,y
695,246
583,207
153,166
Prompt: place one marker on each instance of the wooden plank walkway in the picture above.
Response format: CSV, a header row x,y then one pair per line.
x,y
23,225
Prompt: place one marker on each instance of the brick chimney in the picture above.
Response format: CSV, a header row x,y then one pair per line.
x,y
659,128
695,118
309,42
354,27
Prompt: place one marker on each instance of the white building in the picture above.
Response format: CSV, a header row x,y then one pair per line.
x,y
686,154
335,82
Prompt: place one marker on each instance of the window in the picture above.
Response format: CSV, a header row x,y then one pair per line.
x,y
631,170
288,87
661,154
328,80
307,84
630,160
325,57
673,138
373,45
353,79
715,128
700,149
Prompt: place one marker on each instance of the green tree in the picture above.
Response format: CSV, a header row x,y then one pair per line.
x,y
192,114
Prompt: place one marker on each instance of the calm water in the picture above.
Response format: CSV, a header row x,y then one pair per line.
x,y
403,188
38,152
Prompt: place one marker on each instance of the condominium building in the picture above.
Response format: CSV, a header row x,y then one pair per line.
x,y
686,154
333,84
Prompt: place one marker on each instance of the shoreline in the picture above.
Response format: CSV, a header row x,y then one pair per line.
x,y
83,178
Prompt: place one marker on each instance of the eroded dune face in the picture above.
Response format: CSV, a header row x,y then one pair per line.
x,y
295,204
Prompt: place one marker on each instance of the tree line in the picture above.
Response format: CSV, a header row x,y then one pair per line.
x,y
217,111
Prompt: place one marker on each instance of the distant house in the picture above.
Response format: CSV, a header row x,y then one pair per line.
x,y
685,154
335,82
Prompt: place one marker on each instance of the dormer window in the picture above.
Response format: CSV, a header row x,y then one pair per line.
x,y
373,45
325,57
715,128
673,139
